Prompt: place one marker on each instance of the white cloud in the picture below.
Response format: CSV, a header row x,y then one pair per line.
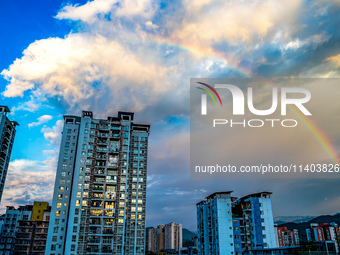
x,y
335,60
41,120
68,68
313,41
87,12
150,25
28,181
53,135
91,11
131,8
236,22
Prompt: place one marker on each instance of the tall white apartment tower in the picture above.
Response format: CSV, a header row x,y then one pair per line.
x,y
99,196
173,236
7,134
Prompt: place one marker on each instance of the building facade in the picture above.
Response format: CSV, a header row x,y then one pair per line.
x,y
7,131
287,238
227,225
173,236
165,237
24,230
100,189
8,229
31,235
326,233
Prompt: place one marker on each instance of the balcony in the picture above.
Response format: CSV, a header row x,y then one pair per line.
x,y
101,149
107,232
102,142
115,136
94,241
99,172
92,250
103,128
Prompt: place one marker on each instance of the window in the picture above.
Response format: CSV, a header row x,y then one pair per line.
x,y
55,229
61,189
74,238
57,213
62,182
75,229
54,238
77,202
58,205
53,247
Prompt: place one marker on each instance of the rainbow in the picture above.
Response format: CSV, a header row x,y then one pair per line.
x,y
203,52
317,132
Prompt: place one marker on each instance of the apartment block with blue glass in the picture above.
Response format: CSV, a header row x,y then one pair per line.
x,y
99,197
228,225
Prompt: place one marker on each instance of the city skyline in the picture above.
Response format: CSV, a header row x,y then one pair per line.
x,y
57,60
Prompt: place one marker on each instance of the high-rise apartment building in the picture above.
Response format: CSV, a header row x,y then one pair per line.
x,y
227,225
99,197
165,237
7,131
173,236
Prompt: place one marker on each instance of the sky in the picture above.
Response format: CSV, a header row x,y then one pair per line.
x,y
62,57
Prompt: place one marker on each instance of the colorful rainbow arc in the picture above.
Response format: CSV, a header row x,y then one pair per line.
x,y
317,132
208,92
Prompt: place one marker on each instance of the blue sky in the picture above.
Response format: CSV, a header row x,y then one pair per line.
x,y
61,57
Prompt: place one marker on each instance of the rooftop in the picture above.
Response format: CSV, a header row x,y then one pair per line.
x,y
5,108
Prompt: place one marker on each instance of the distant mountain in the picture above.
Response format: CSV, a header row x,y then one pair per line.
x,y
187,234
296,219
301,227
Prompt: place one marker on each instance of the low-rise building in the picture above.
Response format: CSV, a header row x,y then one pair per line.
x,y
287,238
24,230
